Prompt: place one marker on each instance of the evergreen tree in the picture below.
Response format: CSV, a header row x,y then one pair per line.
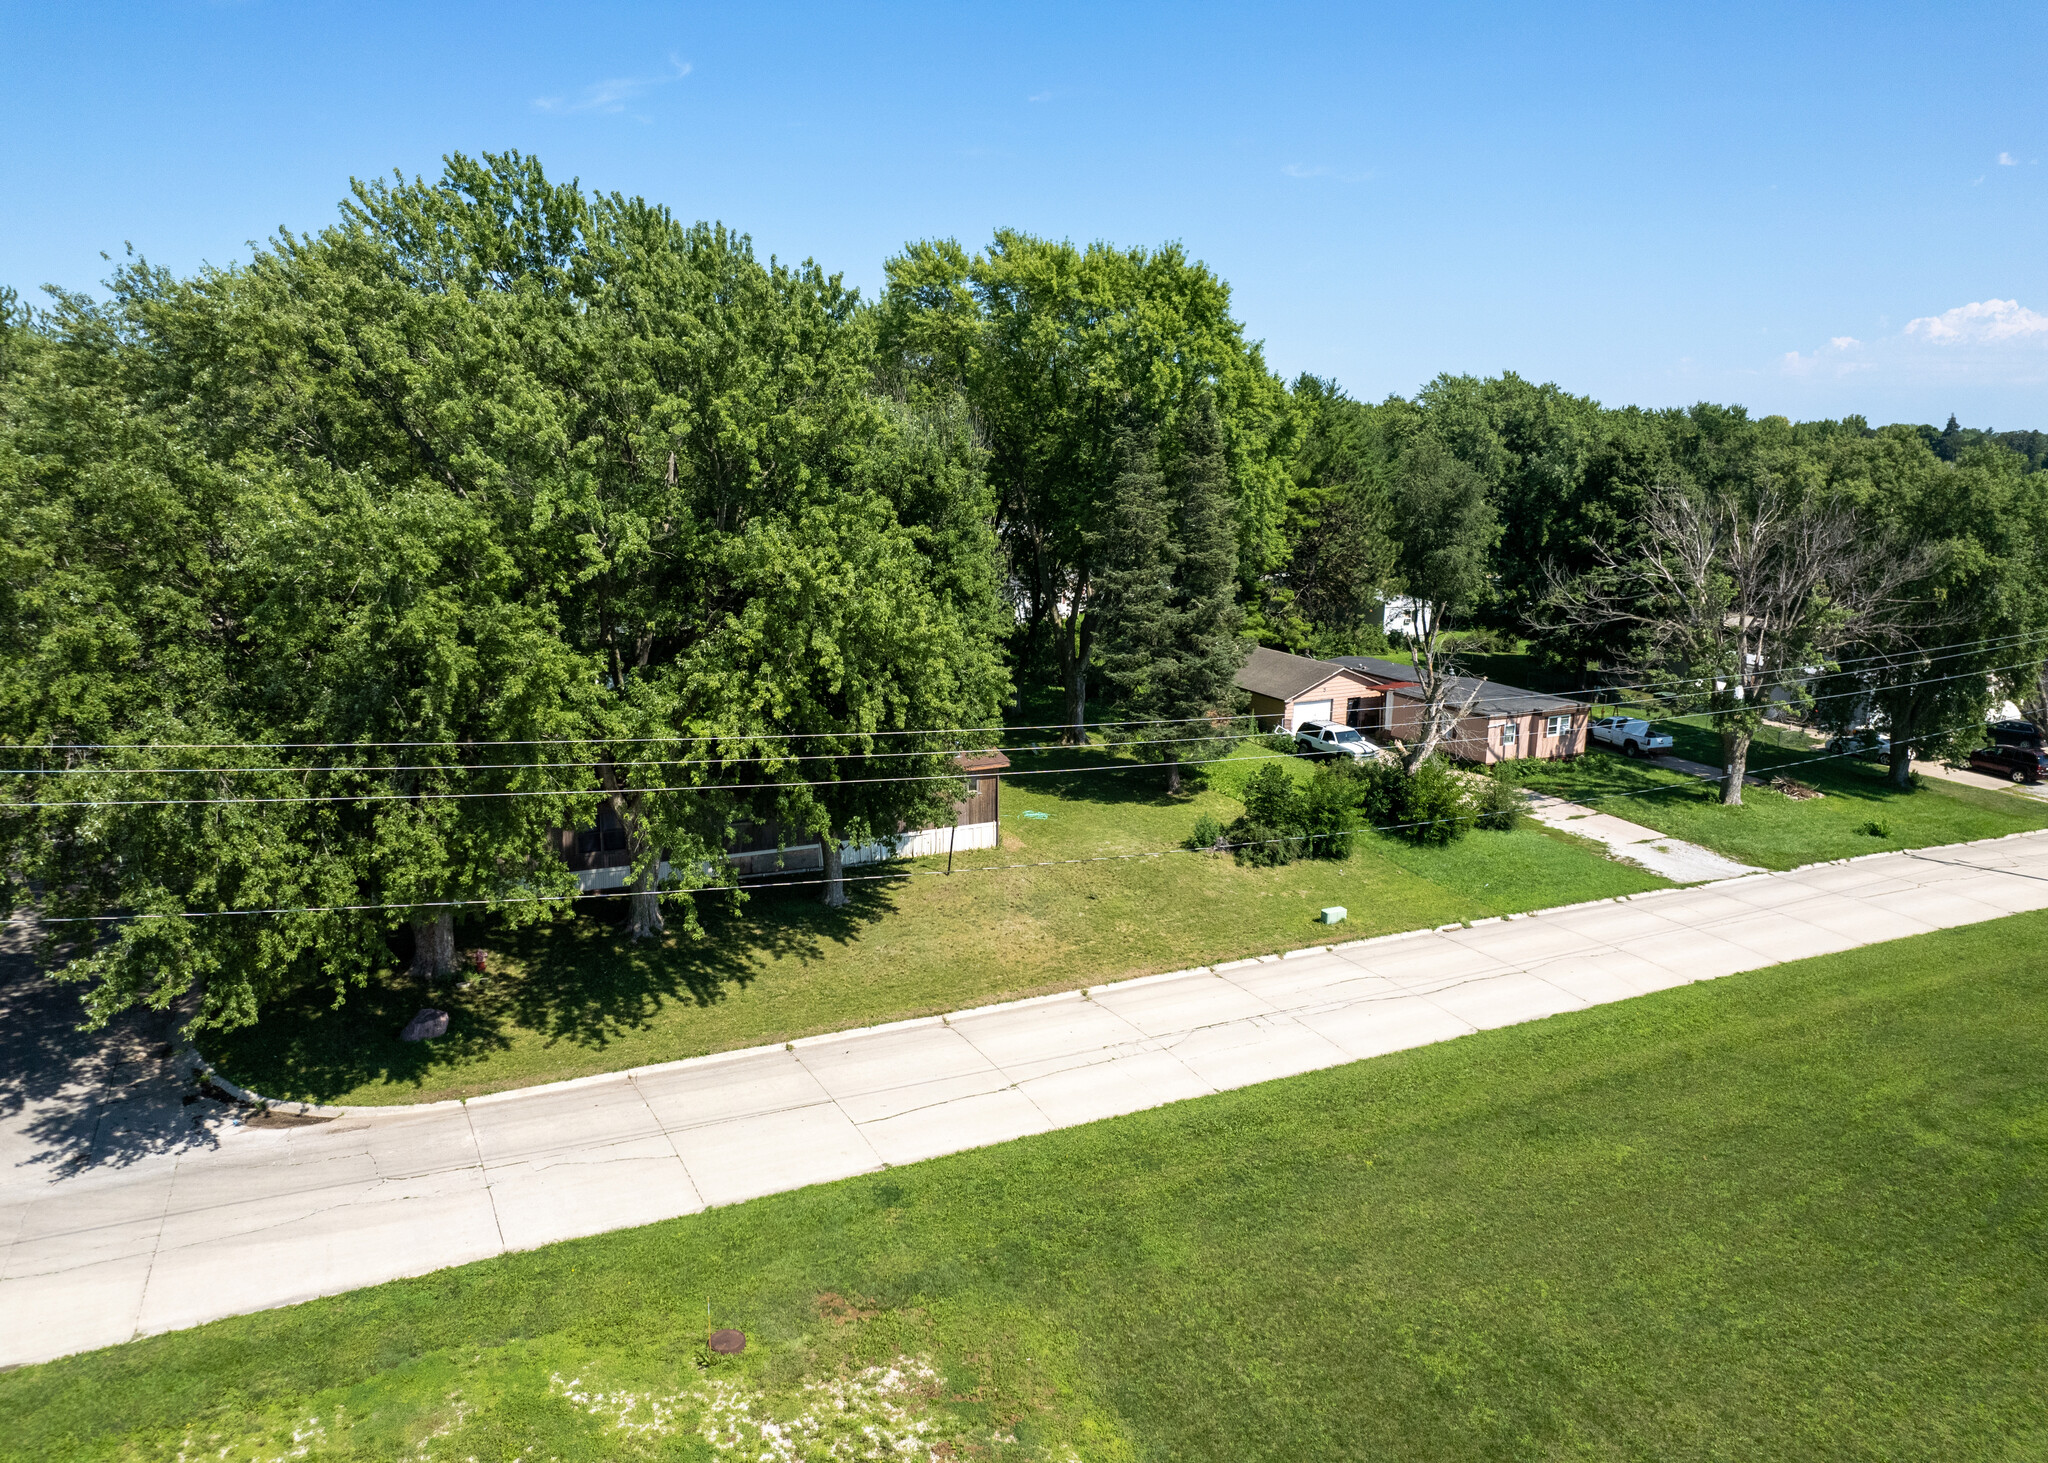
x,y
1170,637
1949,446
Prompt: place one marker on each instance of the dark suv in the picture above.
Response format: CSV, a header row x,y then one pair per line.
x,y
2015,734
2016,764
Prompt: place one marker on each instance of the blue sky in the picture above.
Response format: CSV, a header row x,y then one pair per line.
x,y
1809,210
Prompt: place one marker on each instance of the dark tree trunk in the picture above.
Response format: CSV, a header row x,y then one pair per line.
x,y
643,911
835,872
1902,765
433,946
1076,645
1734,764
1173,769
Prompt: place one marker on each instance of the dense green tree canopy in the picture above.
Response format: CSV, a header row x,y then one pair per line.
x,y
1057,348
493,502
341,582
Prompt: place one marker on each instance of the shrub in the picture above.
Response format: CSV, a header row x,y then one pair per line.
x,y
1271,796
1207,832
1329,812
1278,741
1429,808
1438,810
1876,828
1260,845
1501,806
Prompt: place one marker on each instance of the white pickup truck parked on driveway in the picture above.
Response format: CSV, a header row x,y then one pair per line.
x,y
1331,736
1629,734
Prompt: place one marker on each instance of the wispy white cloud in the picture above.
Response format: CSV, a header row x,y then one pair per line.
x,y
1835,360
2007,160
1986,322
1986,342
611,95
1039,96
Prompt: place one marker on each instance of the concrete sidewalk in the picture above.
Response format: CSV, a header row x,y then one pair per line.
x,y
244,1217
1673,858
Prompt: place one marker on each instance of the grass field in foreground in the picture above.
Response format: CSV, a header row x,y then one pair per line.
x,y
1798,1214
578,997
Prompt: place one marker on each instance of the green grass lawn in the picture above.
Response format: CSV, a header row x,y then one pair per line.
x,y
577,997
1798,1214
1777,832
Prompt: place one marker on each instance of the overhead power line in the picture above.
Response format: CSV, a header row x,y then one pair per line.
x,y
572,763
595,741
308,799
756,884
745,736
1835,667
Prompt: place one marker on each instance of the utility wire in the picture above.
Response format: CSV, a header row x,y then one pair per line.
x,y
1959,646
878,878
596,741
375,767
701,787
1830,668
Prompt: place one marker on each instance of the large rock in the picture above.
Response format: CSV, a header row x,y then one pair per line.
x,y
425,1026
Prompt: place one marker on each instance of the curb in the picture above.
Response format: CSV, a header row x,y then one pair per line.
x,y
207,1070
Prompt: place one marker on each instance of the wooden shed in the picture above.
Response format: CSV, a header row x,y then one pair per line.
x,y
599,857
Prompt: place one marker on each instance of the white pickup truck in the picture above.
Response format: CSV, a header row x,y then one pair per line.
x,y
1630,734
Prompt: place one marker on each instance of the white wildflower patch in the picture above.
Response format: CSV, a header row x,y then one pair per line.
x,y
458,1414
304,1437
876,1413
647,1414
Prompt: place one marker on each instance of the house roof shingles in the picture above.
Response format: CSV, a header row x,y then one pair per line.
x,y
1493,699
1282,676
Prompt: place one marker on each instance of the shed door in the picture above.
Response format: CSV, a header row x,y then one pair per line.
x,y
1311,711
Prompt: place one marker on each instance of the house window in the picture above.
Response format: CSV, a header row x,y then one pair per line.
x,y
1507,735
1557,726
1358,711
973,786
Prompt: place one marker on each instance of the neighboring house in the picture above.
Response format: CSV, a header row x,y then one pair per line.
x,y
599,856
1503,723
1383,697
1287,690
1403,616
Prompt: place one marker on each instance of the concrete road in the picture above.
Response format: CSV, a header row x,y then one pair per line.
x,y
166,1222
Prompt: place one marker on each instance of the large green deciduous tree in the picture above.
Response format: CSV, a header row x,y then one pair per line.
x,y
1964,630
489,462
1054,348
1323,596
1448,529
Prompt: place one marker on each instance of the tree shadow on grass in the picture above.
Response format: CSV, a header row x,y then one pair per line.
x,y
589,983
1098,783
580,981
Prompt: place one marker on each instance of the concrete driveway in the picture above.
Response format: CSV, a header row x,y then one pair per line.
x,y
123,1214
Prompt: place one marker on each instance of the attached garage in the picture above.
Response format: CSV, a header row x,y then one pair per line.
x,y
1287,690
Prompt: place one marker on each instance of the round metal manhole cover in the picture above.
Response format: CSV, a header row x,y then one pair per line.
x,y
728,1343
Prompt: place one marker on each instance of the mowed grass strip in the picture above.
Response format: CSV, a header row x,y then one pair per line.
x,y
1773,831
575,998
1797,1214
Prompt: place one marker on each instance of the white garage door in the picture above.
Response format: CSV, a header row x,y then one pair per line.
x,y
1311,711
